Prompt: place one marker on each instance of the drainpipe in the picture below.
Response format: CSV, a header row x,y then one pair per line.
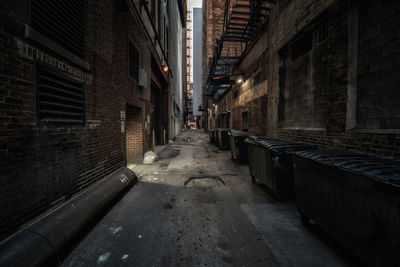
x,y
46,236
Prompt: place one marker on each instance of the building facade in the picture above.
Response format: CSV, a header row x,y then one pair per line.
x,y
212,28
83,88
197,58
319,72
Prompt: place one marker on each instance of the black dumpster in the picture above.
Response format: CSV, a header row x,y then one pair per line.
x,y
215,136
223,138
354,197
270,163
238,146
211,134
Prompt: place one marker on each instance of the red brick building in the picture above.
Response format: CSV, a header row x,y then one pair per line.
x,y
81,91
320,72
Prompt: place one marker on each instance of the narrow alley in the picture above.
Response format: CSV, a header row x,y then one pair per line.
x,y
199,133
197,207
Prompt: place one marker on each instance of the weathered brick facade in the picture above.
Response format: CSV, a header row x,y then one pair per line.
x,y
322,72
43,163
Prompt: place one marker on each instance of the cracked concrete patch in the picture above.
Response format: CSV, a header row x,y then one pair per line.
x,y
204,181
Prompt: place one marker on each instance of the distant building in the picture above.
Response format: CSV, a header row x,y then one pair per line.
x,y
197,59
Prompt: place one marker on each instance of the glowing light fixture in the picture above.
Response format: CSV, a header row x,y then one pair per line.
x,y
165,68
239,79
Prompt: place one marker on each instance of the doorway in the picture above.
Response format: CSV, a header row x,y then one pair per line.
x,y
155,113
134,134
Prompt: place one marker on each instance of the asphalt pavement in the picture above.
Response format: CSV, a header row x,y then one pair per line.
x,y
197,207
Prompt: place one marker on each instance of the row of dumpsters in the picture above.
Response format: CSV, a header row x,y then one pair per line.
x,y
352,196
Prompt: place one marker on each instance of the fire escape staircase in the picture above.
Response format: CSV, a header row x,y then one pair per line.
x,y
242,21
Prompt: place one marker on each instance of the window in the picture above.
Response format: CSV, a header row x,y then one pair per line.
x,y
245,116
322,32
160,15
235,94
133,61
167,42
153,10
60,98
61,21
257,78
302,46
283,4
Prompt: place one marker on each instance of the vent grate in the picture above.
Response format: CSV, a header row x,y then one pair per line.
x,y
60,98
61,21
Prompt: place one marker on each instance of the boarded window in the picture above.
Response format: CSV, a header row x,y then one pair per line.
x,y
61,21
60,98
133,61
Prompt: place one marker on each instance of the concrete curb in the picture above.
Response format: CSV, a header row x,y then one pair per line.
x,y
41,239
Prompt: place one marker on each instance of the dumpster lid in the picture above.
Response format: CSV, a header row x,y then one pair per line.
x,y
381,169
223,129
239,133
280,146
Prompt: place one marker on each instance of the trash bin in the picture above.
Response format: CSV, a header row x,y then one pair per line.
x,y
238,146
355,198
215,136
270,163
211,134
223,138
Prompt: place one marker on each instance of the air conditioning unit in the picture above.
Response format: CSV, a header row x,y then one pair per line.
x,y
142,78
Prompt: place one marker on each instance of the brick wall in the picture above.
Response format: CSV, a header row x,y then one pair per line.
x,y
44,164
379,66
213,19
251,96
335,135
322,112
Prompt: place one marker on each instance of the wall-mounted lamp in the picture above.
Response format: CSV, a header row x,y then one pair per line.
x,y
165,68
239,80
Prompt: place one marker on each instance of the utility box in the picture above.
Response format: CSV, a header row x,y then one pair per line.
x,y
270,164
142,78
355,198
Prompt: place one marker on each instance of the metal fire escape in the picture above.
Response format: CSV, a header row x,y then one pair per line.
x,y
242,20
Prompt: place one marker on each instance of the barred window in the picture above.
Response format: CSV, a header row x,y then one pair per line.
x,y
133,61
61,21
60,98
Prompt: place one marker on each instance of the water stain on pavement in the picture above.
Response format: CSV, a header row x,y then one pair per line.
x,y
168,152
